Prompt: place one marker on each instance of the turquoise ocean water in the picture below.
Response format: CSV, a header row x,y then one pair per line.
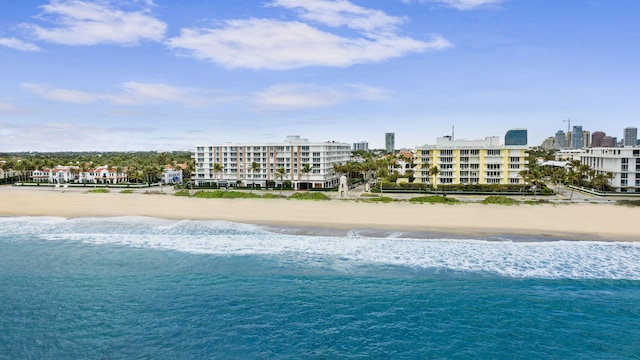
x,y
128,288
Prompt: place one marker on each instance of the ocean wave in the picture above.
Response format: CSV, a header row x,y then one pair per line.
x,y
514,259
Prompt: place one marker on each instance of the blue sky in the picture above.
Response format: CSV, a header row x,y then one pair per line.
x,y
168,74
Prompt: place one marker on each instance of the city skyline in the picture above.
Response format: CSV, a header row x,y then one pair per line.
x,y
166,75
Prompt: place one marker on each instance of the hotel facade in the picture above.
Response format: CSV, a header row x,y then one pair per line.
x,y
622,162
471,162
235,163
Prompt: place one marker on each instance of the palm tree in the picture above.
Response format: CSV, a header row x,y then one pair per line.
x,y
556,176
433,171
536,178
281,174
306,169
609,176
572,178
254,167
217,169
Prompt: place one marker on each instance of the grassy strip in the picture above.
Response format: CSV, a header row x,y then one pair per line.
x,y
382,199
127,191
499,200
219,194
628,202
434,200
99,191
309,196
182,193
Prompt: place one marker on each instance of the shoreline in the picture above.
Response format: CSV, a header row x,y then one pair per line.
x,y
596,222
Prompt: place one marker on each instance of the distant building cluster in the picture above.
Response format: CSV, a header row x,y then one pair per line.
x,y
578,138
604,154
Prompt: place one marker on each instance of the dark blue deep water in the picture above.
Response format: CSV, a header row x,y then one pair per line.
x,y
147,288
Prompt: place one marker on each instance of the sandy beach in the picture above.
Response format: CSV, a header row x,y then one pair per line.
x,y
569,221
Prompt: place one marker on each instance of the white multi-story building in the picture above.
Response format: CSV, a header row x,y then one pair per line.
x,y
623,163
231,164
471,161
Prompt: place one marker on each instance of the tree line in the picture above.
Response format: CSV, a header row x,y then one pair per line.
x,y
142,166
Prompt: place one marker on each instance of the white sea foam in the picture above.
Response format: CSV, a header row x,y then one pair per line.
x,y
550,259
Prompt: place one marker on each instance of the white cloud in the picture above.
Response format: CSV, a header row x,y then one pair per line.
x,y
369,93
64,95
133,93
7,107
79,22
275,44
295,96
461,4
298,96
18,44
341,13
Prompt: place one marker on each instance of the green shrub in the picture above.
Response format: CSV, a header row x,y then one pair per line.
x,y
499,200
99,191
383,199
537,202
182,193
434,200
219,194
273,196
309,196
628,202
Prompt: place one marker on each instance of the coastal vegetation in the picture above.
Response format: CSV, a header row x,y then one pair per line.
x,y
221,194
434,199
99,191
309,196
140,166
628,202
499,200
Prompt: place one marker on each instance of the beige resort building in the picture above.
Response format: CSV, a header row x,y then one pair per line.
x,y
471,162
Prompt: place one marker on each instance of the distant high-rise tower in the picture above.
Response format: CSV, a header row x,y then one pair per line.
x,y
561,140
586,139
390,142
596,138
361,146
576,137
516,137
630,136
